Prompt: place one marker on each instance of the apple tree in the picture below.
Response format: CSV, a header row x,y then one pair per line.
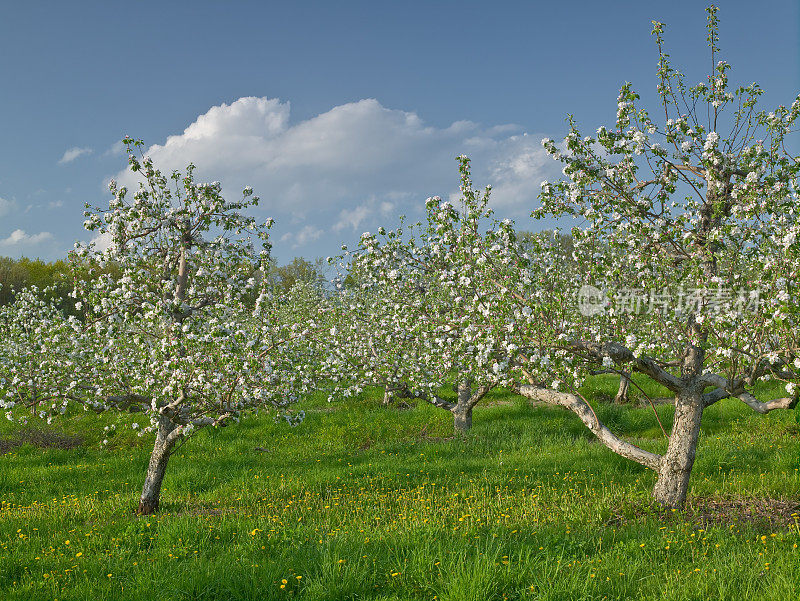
x,y
688,246
171,337
419,311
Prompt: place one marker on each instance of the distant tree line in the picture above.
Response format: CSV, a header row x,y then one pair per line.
x,y
16,274
299,271
57,278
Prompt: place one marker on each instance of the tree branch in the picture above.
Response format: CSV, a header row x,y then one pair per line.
x,y
726,388
478,395
582,409
134,403
436,401
709,398
621,354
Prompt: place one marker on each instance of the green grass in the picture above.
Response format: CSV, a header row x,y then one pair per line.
x,y
361,502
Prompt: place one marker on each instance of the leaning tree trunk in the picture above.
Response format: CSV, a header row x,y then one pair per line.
x,y
624,385
151,492
676,464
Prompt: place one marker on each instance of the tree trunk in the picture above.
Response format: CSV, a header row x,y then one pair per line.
x,y
151,492
624,384
462,410
676,464
462,418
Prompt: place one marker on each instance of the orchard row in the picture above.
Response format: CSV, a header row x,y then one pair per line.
x,y
186,330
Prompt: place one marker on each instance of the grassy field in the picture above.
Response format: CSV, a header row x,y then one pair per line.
x,y
362,502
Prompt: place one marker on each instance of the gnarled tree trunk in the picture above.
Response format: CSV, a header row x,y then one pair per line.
x,y
465,403
165,441
462,410
462,418
624,385
393,393
676,464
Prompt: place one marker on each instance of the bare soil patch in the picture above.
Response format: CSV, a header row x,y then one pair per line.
x,y
498,403
43,439
764,514
424,436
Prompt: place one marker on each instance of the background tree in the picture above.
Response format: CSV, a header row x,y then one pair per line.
x,y
425,310
50,278
559,250
13,276
38,352
359,345
300,270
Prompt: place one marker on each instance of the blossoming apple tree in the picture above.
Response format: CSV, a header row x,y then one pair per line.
x,y
36,345
171,337
359,346
689,244
413,304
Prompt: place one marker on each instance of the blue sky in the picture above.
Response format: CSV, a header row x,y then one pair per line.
x,y
341,115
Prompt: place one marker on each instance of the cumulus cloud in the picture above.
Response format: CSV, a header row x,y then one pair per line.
x,y
352,219
6,207
356,163
303,237
520,163
21,240
73,153
116,149
101,242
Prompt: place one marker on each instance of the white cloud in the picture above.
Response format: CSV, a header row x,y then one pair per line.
x,y
101,241
347,167
517,170
19,239
6,207
73,153
307,234
353,218
116,149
